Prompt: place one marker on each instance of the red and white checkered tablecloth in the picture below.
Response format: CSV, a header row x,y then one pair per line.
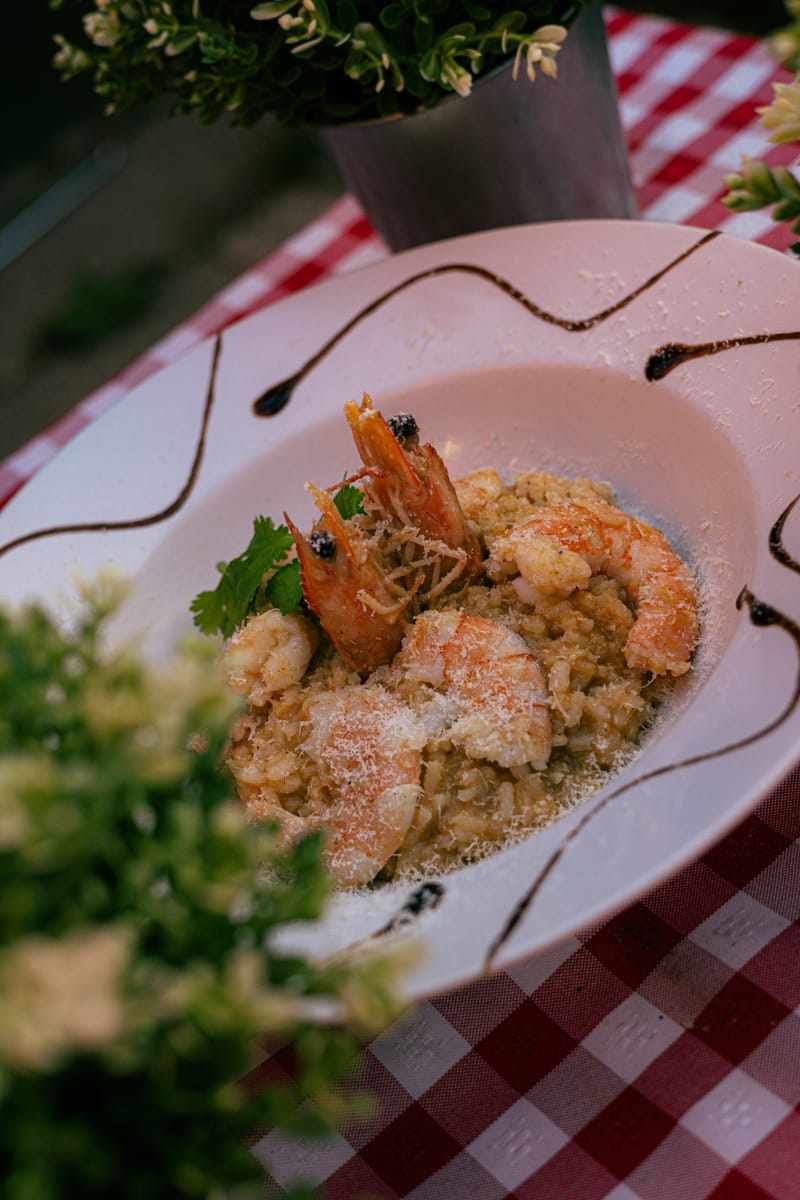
x,y
656,1057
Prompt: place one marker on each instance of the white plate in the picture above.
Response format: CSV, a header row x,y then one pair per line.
x,y
710,452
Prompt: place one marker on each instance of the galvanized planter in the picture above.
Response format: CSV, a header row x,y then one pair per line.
x,y
510,153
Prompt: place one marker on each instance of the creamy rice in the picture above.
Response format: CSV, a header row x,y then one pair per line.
x,y
470,807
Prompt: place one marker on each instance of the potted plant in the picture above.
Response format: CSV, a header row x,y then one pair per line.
x,y
439,91
756,185
138,911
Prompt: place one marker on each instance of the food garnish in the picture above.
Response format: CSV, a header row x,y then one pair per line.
x,y
258,577
471,658
264,575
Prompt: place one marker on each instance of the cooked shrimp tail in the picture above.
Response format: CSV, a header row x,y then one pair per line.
x,y
498,700
559,547
367,746
409,479
347,590
269,653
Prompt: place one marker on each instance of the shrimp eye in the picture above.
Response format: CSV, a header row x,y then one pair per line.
x,y
403,426
323,544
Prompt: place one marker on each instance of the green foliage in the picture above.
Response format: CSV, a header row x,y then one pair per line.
x,y
261,577
98,306
349,501
759,186
785,42
257,578
756,185
137,914
306,61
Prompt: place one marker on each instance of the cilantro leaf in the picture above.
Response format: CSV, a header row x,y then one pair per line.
x,y
284,589
241,589
349,501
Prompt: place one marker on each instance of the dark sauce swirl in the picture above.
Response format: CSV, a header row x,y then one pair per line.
x,y
762,615
276,397
776,546
427,896
151,518
279,394
670,356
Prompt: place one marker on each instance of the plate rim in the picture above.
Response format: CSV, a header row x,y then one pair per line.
x,y
704,840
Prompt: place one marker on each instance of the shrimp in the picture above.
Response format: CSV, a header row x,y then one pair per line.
x,y
476,489
269,653
410,480
498,703
347,590
290,828
367,746
560,546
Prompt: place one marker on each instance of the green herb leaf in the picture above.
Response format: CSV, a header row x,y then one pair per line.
x,y
392,16
131,884
242,588
260,577
349,500
284,589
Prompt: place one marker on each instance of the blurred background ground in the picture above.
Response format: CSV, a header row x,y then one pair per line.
x,y
112,232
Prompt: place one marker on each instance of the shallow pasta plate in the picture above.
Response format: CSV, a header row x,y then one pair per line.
x,y
661,358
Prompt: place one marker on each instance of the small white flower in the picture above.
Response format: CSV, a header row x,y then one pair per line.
x,y
783,44
104,30
783,115
540,50
306,45
62,996
69,58
457,78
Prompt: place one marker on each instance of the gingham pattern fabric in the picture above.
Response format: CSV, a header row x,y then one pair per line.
x,y
656,1057
687,99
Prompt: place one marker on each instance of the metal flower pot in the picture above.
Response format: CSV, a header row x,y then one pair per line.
x,y
509,153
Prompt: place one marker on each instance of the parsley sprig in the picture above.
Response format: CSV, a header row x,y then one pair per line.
x,y
257,578
262,576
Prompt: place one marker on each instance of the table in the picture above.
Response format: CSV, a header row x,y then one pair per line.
x,y
657,1056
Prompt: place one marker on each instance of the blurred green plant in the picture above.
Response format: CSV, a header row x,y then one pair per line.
x,y
314,62
755,185
784,43
137,918
98,305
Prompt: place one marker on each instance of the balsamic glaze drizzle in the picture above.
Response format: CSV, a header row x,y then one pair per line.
x,y
424,898
430,894
279,394
776,546
668,357
762,615
152,518
275,398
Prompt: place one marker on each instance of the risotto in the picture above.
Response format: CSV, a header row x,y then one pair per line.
x,y
471,659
